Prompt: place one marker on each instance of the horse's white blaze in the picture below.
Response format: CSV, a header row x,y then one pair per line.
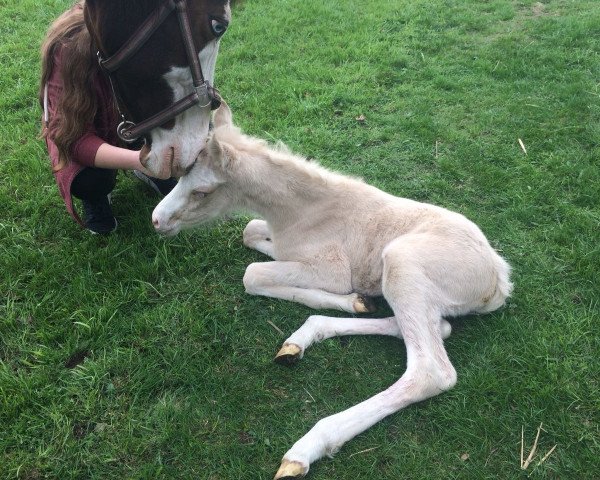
x,y
188,136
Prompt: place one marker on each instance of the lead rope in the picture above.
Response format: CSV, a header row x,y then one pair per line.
x,y
124,122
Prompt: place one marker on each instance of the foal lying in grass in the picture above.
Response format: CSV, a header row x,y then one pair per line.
x,y
334,241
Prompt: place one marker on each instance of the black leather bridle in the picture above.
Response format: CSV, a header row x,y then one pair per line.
x,y
203,95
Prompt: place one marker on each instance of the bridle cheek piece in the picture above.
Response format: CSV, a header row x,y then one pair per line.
x,y
203,95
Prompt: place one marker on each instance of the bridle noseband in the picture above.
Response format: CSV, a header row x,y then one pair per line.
x,y
203,95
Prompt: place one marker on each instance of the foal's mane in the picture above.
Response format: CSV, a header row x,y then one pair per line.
x,y
279,155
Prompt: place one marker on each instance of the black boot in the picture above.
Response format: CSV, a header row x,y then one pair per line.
x,y
99,218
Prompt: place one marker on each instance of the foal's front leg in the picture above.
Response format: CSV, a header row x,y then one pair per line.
x,y
316,286
258,236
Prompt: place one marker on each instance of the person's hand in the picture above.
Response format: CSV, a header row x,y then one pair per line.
x,y
117,158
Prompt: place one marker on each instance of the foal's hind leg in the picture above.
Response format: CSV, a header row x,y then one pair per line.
x,y
417,308
318,328
429,372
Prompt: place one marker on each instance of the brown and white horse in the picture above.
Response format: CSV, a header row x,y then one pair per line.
x,y
148,48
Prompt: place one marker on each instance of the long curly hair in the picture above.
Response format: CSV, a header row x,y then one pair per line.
x,y
77,106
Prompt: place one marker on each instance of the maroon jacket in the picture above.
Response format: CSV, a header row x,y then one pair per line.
x,y
83,150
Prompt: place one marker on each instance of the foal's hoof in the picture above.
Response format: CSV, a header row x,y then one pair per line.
x,y
290,470
363,304
289,354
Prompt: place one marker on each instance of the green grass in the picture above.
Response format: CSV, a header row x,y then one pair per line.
x,y
137,357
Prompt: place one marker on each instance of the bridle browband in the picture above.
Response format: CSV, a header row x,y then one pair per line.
x,y
203,95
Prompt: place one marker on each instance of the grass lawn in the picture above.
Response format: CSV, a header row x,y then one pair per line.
x,y
137,357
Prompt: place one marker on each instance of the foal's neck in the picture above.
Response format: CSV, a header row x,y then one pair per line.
x,y
280,186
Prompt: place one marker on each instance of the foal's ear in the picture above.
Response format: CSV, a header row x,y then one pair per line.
x,y
223,116
220,154
214,150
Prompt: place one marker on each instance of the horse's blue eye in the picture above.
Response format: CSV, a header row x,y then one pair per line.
x,y
217,27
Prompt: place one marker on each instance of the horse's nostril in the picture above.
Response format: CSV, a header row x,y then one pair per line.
x,y
145,154
155,222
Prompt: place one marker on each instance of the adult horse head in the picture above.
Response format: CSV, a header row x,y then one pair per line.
x,y
160,56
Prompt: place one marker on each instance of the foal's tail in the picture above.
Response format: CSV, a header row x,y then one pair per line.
x,y
503,285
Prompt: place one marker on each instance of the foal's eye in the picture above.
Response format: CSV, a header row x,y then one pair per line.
x,y
218,28
198,194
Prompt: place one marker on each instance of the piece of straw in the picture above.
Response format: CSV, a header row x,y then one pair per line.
x,y
533,449
522,146
276,327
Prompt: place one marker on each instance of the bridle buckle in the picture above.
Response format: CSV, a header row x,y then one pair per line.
x,y
124,131
204,97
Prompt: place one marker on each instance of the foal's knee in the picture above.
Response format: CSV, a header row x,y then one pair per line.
x,y
255,230
420,383
438,379
447,378
253,278
432,380
445,328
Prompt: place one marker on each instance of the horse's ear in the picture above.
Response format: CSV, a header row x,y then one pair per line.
x,y
223,116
